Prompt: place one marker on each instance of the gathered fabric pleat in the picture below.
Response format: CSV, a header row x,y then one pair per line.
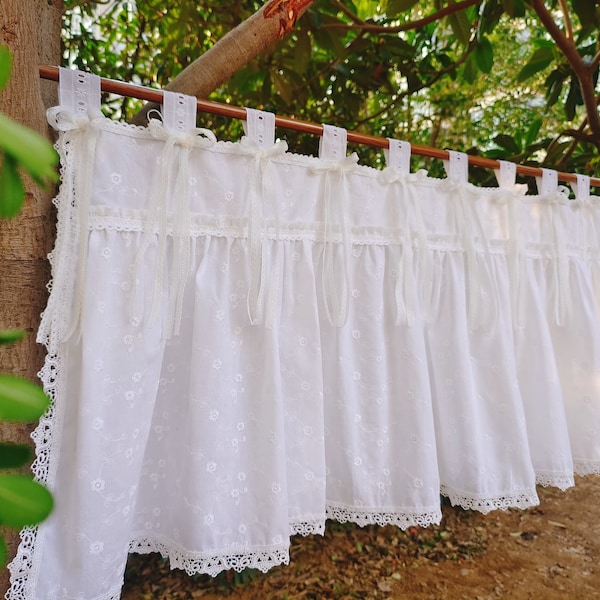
x,y
244,342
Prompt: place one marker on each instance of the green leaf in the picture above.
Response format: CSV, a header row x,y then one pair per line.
x,y
9,336
508,142
586,11
484,55
554,83
21,400
539,60
33,152
460,24
13,455
282,87
395,7
532,132
470,69
5,65
23,501
12,190
302,52
571,101
516,8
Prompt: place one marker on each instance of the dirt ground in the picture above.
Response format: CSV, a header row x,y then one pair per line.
x,y
549,552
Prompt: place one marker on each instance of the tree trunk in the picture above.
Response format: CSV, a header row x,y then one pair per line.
x,y
31,29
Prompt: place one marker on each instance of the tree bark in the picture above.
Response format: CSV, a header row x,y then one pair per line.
x,y
31,29
236,49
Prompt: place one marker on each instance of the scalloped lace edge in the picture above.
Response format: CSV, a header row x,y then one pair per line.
x,y
376,516
521,499
252,557
314,526
562,481
586,467
45,436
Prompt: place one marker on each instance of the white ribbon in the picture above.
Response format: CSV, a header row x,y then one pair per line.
x,y
563,304
170,161
510,197
62,317
468,224
260,188
336,300
405,282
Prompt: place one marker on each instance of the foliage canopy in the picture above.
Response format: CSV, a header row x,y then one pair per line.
x,y
484,76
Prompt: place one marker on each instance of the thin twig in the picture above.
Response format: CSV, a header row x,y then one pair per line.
x,y
372,28
567,17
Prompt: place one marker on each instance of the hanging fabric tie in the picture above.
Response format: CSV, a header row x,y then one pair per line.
x,y
260,143
397,171
481,308
79,107
335,165
510,197
590,238
555,197
178,130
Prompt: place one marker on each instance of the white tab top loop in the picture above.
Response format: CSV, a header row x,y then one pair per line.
x,y
581,188
178,112
548,182
332,145
79,92
457,166
397,156
259,126
506,175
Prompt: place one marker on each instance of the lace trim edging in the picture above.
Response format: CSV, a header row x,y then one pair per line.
x,y
374,516
523,499
587,467
561,481
260,558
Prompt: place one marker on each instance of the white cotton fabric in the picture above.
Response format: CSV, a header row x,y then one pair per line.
x,y
243,342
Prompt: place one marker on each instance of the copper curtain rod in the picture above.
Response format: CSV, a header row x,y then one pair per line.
x,y
236,112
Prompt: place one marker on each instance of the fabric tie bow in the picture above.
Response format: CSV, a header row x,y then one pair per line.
x,y
335,300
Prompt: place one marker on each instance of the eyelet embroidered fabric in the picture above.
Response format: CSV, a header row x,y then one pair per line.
x,y
390,367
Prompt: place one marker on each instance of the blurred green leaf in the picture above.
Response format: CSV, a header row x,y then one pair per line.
x,y
516,8
5,65
532,132
539,60
554,83
571,101
302,53
33,152
460,24
508,142
9,336
470,69
12,190
395,7
21,400
484,55
23,501
13,455
586,11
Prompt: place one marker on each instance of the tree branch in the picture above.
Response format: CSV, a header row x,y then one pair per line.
x,y
566,45
372,28
567,17
583,72
236,49
438,75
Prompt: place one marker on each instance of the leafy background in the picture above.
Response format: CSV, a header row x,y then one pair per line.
x,y
488,80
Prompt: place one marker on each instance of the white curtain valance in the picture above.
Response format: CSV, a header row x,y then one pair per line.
x,y
243,342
